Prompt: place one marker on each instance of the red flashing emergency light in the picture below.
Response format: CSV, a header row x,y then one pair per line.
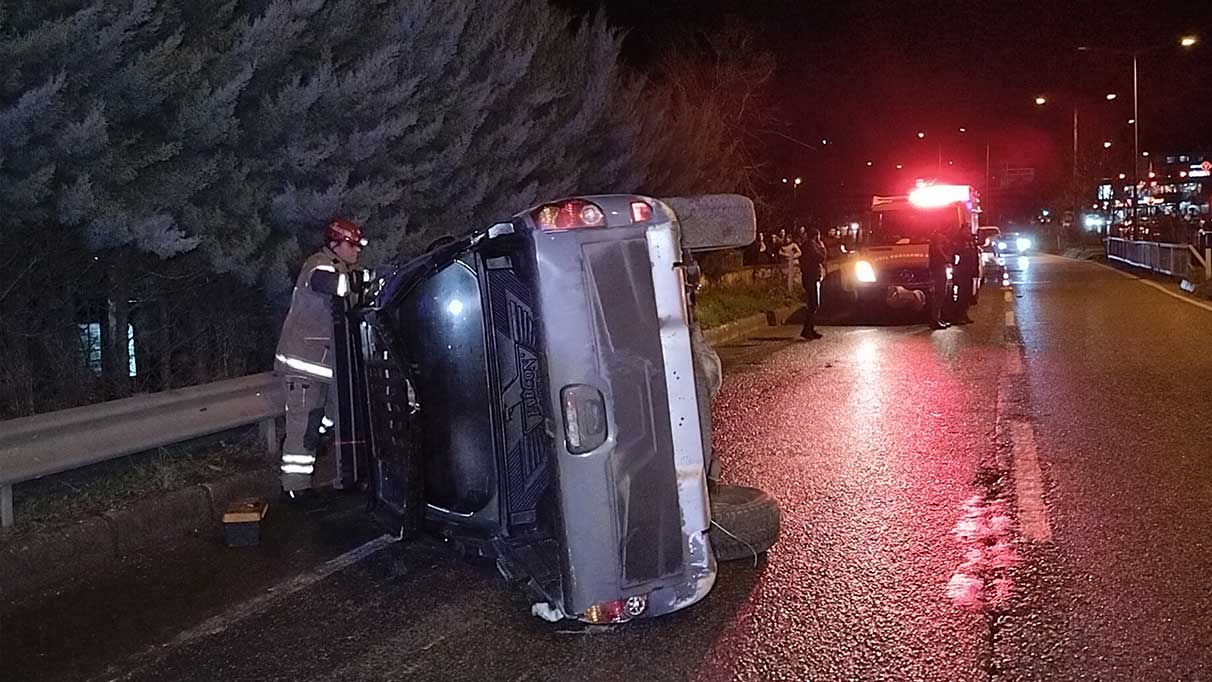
x,y
935,196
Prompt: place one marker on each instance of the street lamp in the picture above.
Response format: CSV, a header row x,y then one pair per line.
x,y
1111,96
1107,144
1186,42
1042,101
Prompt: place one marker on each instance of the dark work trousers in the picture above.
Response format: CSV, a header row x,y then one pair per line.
x,y
940,296
812,303
966,297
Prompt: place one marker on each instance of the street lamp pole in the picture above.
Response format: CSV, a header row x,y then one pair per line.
x,y
1135,144
1186,42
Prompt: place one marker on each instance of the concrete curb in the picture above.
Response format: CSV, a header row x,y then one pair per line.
x,y
741,328
46,559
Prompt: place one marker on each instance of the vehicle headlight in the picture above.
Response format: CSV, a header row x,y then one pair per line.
x,y
863,271
1001,245
1023,243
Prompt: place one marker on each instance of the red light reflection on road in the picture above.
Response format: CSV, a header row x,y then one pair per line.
x,y
985,533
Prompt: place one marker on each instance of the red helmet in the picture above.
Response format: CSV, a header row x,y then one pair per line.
x,y
342,230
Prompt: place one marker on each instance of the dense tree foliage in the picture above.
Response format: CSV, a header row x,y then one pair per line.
x,y
165,166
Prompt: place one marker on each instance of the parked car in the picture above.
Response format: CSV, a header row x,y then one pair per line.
x,y
538,394
988,236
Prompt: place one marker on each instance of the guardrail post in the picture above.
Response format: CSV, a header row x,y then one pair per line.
x,y
1204,260
6,506
269,431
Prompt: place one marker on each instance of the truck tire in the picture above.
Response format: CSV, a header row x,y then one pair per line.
x,y
744,522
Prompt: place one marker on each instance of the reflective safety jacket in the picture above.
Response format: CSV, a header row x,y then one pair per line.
x,y
305,344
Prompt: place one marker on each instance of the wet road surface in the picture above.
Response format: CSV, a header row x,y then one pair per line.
x,y
1025,497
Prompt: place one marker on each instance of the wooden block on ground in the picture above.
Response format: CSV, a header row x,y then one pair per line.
x,y
242,522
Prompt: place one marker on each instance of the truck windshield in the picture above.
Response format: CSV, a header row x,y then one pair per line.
x,y
911,226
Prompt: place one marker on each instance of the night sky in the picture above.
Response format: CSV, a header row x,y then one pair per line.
x,y
869,75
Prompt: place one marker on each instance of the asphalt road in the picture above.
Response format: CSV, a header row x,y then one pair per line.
x,y
1026,497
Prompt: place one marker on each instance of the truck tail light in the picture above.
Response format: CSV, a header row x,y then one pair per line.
x,y
570,215
584,417
640,212
617,611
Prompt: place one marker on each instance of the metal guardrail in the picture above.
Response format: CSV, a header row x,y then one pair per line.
x,y
51,443
1176,260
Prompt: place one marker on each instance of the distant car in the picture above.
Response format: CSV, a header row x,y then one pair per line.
x,y
1014,243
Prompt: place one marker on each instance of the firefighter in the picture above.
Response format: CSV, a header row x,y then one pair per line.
x,y
967,276
940,265
304,358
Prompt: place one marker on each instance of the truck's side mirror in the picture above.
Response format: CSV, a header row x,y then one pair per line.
x,y
326,280
715,221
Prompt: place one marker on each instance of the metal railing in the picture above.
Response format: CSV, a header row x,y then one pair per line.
x,y
51,443
1176,260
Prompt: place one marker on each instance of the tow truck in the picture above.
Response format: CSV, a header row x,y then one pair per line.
x,y
887,267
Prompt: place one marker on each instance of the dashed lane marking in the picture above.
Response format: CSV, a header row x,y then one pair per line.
x,y
1028,478
1014,363
1029,484
1008,295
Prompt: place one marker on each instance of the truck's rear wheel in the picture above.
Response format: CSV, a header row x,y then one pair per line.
x,y
744,522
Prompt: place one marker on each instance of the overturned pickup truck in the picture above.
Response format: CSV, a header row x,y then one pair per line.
x,y
538,394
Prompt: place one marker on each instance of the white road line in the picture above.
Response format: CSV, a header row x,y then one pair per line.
x,y
1177,295
1009,318
1029,484
1014,362
259,604
1009,295
1157,286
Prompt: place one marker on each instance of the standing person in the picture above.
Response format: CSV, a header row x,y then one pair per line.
x,y
790,252
305,357
755,253
967,276
776,243
812,271
940,262
789,258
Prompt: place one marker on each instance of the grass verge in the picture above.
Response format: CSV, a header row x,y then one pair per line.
x,y
109,486
722,305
